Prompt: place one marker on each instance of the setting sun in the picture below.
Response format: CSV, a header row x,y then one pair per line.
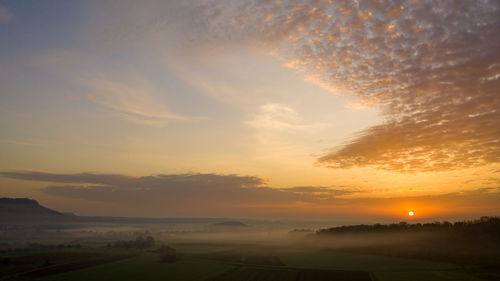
x,y
250,140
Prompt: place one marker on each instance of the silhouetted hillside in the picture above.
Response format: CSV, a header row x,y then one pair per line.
x,y
24,208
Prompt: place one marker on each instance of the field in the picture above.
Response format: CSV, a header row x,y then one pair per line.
x,y
381,268
222,262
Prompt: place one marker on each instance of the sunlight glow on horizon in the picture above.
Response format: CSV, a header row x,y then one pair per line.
x,y
328,108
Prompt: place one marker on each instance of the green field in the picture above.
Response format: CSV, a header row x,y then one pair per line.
x,y
145,267
223,262
381,268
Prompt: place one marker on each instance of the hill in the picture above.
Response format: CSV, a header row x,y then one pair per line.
x,y
24,208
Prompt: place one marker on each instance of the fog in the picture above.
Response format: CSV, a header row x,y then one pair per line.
x,y
290,233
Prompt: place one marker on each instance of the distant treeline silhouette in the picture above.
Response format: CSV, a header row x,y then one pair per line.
x,y
138,243
475,245
485,226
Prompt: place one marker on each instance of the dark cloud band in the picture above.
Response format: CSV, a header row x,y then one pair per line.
x,y
176,188
228,195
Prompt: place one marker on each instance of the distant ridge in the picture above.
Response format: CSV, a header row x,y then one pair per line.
x,y
24,208
230,224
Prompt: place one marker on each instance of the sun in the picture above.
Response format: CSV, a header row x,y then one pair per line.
x,y
411,213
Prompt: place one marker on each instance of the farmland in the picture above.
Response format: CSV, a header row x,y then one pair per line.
x,y
221,262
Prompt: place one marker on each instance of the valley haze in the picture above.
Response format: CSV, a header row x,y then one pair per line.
x,y
250,140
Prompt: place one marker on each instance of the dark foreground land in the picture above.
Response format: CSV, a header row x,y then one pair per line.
x,y
218,262
473,245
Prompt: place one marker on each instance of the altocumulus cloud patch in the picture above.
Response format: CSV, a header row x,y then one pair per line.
x,y
432,67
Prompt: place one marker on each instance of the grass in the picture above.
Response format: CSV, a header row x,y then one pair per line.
x,y
290,274
381,268
424,275
145,267
223,262
346,261
257,274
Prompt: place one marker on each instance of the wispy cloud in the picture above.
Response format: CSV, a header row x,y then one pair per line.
x,y
21,142
280,118
137,101
432,67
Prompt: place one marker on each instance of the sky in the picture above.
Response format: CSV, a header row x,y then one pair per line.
x,y
355,109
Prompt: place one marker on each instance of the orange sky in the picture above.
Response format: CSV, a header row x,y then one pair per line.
x,y
326,109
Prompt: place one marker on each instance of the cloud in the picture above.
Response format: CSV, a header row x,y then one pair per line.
x,y
179,192
320,191
433,69
5,14
232,195
137,101
19,142
279,117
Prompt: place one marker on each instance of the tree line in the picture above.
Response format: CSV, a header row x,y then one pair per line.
x,y
139,243
474,244
483,227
